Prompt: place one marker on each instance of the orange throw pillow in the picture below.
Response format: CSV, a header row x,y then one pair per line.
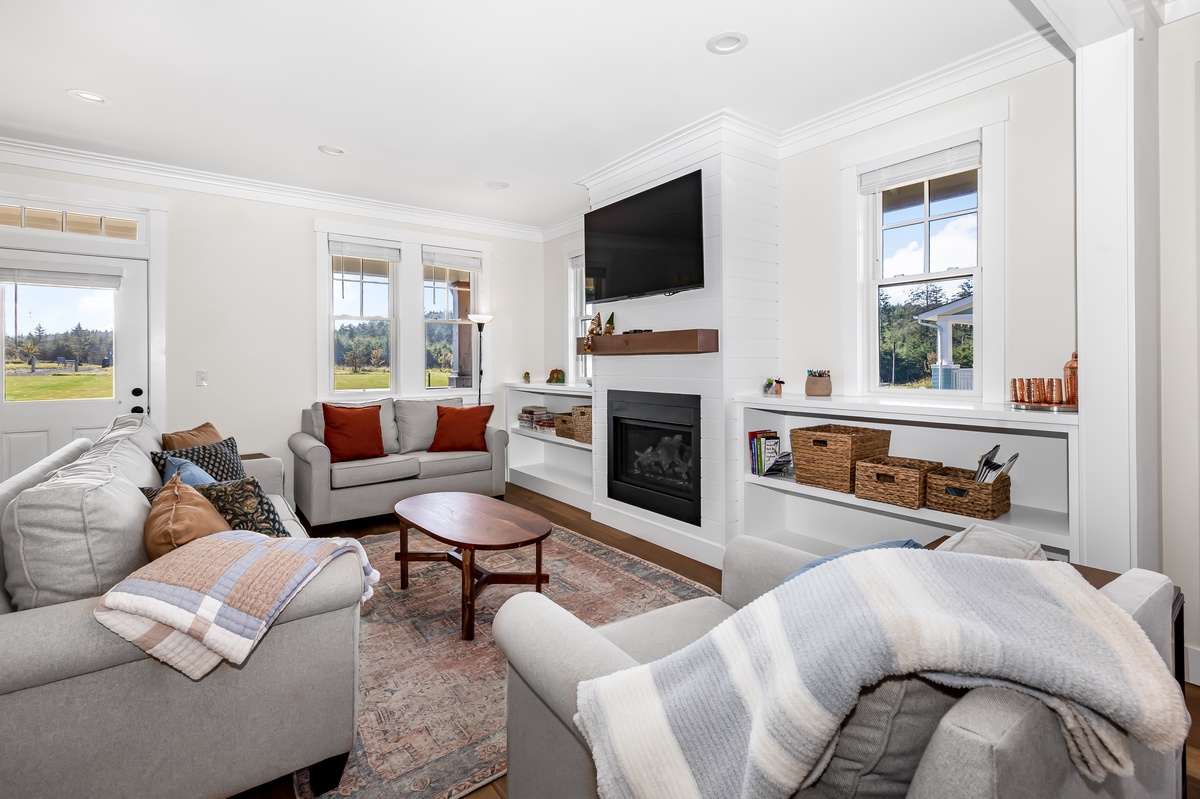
x,y
179,514
200,436
352,434
461,429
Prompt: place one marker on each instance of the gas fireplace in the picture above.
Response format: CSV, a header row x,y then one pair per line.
x,y
654,452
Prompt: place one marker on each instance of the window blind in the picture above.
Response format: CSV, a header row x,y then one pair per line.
x,y
956,159
451,258
95,277
576,261
354,249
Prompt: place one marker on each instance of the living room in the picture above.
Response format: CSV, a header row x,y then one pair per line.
x,y
1084,123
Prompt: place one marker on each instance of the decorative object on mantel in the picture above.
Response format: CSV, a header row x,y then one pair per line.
x,y
662,342
595,328
773,386
1047,394
610,326
818,383
557,376
825,455
525,377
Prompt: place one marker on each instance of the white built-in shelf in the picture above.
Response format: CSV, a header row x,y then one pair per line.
x,y
930,410
565,485
1022,521
549,438
581,390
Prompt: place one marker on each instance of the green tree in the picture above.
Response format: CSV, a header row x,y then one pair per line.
x,y
79,343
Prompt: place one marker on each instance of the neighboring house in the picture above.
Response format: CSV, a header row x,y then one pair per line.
x,y
946,373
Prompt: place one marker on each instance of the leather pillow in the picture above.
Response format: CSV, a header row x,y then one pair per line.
x,y
461,429
196,437
352,434
179,514
241,503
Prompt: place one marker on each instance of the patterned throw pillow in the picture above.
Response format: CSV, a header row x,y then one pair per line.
x,y
241,503
220,460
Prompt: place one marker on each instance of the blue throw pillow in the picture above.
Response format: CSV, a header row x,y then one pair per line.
x,y
189,473
897,544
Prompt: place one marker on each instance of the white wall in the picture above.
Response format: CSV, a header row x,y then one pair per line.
x,y
1179,60
559,345
241,305
1039,232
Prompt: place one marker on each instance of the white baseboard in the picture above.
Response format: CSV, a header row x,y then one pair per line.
x,y
685,544
1191,668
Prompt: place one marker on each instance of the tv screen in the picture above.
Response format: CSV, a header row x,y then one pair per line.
x,y
650,243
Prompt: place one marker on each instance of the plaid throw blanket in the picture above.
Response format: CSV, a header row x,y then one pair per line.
x,y
216,597
782,673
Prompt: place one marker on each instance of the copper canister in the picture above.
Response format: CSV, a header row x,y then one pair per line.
x,y
1071,380
1056,390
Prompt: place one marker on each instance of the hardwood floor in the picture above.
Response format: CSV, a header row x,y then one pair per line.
x,y
557,512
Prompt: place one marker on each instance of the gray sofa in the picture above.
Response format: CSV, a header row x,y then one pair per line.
x,y
333,492
85,713
992,743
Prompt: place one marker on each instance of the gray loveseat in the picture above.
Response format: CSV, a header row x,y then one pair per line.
x,y
992,743
333,492
85,713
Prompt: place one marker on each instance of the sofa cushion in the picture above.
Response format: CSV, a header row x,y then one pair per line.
x,y
387,421
220,460
461,429
73,537
417,421
883,739
122,454
179,514
189,473
242,503
291,522
443,464
658,633
372,471
196,437
979,539
899,543
352,434
138,428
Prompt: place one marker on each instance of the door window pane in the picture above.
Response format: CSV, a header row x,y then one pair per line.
x,y
362,355
954,243
448,341
926,335
58,342
904,204
904,250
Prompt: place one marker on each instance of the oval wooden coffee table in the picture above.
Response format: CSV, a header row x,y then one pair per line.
x,y
471,522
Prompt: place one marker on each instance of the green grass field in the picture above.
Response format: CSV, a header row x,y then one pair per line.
x,y
348,381
84,385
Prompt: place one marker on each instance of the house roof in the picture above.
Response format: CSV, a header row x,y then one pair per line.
x,y
957,308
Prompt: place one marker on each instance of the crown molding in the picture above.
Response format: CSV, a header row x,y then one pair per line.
x,y
563,228
720,121
1175,10
129,170
1012,59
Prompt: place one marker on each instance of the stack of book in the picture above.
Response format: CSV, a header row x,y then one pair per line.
x,y
536,417
766,456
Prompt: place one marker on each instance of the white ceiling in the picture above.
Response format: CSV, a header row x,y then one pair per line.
x,y
433,99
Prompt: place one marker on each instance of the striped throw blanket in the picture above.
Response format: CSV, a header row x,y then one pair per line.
x,y
216,597
748,710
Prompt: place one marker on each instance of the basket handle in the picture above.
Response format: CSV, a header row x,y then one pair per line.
x,y
955,491
885,478
820,442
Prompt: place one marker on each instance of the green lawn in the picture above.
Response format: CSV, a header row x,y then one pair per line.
x,y
348,381
437,378
83,385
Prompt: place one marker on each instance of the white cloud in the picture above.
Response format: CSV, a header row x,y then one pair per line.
x,y
954,243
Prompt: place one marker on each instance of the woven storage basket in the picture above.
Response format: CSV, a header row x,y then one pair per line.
x,y
979,500
824,456
896,481
564,425
582,415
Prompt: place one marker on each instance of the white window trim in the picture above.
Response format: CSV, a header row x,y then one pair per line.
x,y
408,335
570,249
858,255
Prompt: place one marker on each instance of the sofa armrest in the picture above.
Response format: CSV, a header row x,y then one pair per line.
x,y
309,449
267,471
994,744
753,566
497,444
553,651
310,478
45,645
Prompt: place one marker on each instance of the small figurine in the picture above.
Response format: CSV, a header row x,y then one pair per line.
x,y
525,377
557,376
594,329
610,326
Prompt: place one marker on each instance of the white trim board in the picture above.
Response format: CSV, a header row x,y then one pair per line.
x,y
79,162
1191,664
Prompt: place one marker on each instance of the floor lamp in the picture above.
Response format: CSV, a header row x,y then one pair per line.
x,y
480,319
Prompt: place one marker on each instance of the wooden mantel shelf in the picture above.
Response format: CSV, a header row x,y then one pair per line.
x,y
661,342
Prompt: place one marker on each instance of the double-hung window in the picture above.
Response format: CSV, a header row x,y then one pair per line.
x,y
924,278
448,282
582,312
362,308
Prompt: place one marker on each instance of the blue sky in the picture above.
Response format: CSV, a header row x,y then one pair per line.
x,y
58,308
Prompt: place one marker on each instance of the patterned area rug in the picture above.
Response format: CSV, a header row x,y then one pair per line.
x,y
431,715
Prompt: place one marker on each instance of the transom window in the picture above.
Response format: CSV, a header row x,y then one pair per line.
x,y
59,221
924,271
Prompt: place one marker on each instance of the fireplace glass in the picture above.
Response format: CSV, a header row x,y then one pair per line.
x,y
654,452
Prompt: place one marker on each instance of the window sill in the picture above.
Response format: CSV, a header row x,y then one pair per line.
x,y
930,408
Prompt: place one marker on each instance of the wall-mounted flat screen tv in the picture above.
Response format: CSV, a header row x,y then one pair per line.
x,y
650,243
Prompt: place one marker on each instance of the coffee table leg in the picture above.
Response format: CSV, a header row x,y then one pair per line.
x,y
403,557
537,567
468,589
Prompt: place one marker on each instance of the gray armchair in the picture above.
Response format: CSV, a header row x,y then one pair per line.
x,y
992,743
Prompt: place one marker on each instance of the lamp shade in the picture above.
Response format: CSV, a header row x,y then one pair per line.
x,y
480,318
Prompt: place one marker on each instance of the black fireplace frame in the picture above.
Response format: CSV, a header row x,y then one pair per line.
x,y
671,412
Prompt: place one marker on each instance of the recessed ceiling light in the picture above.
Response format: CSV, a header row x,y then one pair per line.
x,y
88,97
728,42
497,184
329,149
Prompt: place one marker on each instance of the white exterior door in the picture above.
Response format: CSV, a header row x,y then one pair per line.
x,y
76,349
